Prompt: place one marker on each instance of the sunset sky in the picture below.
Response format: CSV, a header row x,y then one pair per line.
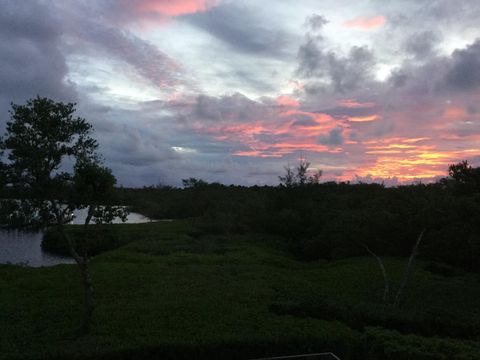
x,y
232,91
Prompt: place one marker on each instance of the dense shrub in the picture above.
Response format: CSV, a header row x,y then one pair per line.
x,y
347,347
331,221
361,315
384,344
100,238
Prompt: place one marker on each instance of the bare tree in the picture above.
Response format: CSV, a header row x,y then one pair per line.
x,y
386,280
408,269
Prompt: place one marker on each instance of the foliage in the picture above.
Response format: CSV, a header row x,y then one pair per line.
x,y
299,176
42,141
40,137
172,291
193,183
332,220
465,178
52,169
391,345
100,239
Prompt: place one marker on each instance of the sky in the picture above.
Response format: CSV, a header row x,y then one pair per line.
x,y
233,91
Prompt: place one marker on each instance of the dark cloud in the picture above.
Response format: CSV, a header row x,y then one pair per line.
x,y
341,112
231,109
31,62
464,11
324,68
464,73
472,109
315,22
328,69
303,120
422,44
240,28
334,137
414,14
33,22
398,78
218,134
133,145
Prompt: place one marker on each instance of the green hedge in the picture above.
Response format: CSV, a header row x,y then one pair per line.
x,y
433,322
391,345
100,238
222,351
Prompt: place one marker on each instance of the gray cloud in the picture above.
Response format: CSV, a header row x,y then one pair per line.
x,y
31,62
228,109
422,44
341,73
122,45
335,137
316,22
429,93
240,28
326,69
464,73
341,112
33,22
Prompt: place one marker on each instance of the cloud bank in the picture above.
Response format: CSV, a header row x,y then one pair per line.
x,y
233,91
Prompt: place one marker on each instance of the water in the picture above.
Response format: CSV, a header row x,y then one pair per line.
x,y
21,247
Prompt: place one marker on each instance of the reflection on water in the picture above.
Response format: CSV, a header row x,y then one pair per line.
x,y
20,247
133,218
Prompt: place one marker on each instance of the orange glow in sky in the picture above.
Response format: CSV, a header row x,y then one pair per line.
x,y
363,118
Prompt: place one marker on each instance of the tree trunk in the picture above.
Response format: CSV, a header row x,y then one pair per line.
x,y
89,297
384,273
89,292
408,269
82,262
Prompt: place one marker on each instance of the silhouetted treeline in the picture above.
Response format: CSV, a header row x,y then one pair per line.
x,y
332,220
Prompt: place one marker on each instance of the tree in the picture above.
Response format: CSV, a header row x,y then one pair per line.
x,y
51,167
299,176
3,178
194,183
289,179
464,178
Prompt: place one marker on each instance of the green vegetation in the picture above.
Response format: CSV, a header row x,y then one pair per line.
x,y
391,345
242,272
43,139
333,221
172,290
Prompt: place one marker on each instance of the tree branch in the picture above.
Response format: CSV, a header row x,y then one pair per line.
x,y
384,272
408,269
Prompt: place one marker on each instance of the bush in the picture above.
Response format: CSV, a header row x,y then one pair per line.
x,y
100,238
391,345
358,316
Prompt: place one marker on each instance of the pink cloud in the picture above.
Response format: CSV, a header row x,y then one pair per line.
x,y
272,131
455,113
365,23
172,8
151,13
416,139
285,100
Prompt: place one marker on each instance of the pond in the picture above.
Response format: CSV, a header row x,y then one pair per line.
x,y
21,247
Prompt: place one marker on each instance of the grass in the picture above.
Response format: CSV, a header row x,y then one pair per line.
x,y
173,292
